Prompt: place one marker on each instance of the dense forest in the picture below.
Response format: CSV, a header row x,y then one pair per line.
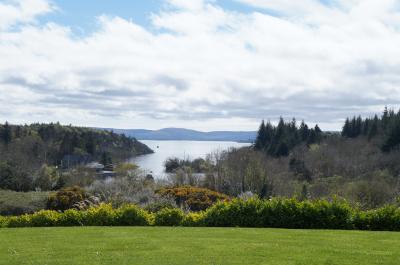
x,y
26,149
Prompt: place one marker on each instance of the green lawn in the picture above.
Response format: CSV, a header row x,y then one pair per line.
x,y
153,245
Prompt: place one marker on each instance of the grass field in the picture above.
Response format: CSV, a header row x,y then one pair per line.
x,y
16,203
153,245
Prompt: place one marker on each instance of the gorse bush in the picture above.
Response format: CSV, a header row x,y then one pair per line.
x,y
275,213
196,199
66,198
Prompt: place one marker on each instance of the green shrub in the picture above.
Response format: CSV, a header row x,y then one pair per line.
x,y
169,217
103,215
44,218
193,219
20,221
71,217
197,199
65,199
158,206
131,215
386,218
279,213
3,221
235,213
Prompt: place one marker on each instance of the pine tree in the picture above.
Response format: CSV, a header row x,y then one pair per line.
x,y
373,130
303,131
6,133
312,137
346,128
261,137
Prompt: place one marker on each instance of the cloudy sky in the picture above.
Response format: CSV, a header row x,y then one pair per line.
x,y
201,64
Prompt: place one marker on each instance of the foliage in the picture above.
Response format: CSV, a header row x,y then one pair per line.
x,y
278,141
196,199
193,219
130,189
25,149
198,165
13,177
253,212
169,217
72,217
385,218
103,215
66,198
47,178
386,127
162,203
131,215
280,213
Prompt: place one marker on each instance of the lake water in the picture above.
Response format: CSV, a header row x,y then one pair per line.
x,y
154,163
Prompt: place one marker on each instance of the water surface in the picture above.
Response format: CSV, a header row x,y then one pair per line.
x,y
154,163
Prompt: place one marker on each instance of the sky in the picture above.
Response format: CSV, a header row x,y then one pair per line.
x,y
199,64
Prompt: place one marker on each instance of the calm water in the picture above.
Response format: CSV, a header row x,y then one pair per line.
x,y
154,163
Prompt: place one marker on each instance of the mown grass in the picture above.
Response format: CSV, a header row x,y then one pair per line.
x,y
156,245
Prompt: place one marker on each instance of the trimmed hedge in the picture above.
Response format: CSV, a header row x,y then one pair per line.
x,y
276,213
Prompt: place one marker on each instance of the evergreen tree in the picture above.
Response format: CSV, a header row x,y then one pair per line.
x,y
373,130
304,131
261,137
6,134
346,131
282,150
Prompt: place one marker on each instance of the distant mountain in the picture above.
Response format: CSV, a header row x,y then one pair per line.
x,y
189,135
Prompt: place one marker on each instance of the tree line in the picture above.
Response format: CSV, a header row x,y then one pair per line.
x,y
385,129
278,140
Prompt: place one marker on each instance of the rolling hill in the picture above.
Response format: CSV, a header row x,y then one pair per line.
x,y
189,135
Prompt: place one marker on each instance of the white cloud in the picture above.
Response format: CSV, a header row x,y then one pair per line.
x,y
205,68
22,11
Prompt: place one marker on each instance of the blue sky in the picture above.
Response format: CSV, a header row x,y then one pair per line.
x,y
80,15
201,64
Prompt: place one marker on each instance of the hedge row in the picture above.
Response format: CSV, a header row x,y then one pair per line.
x,y
277,213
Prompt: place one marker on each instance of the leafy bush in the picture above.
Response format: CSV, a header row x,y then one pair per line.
x,y
280,213
169,217
19,221
193,219
196,199
159,205
131,215
66,198
386,218
3,221
71,217
103,215
44,218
